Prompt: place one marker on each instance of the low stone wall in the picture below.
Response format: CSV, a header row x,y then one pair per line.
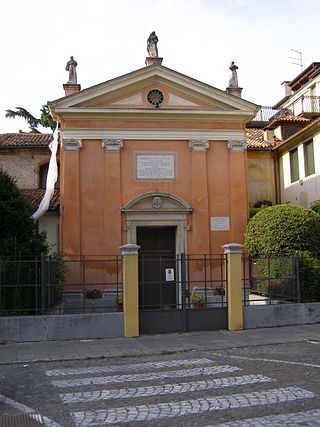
x,y
264,316
61,327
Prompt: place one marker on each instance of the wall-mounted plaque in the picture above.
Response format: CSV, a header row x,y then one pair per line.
x,y
220,223
155,166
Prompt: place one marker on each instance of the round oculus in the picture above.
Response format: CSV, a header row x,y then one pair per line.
x,y
155,97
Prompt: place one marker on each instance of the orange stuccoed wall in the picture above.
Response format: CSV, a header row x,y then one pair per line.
x,y
97,183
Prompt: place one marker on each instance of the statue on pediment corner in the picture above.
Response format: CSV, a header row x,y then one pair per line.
x,y
152,45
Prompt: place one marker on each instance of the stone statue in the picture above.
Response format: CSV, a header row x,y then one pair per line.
x,y
152,45
71,67
233,81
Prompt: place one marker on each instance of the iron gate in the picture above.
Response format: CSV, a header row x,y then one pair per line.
x,y
182,293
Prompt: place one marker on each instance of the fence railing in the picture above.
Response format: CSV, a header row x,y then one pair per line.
x,y
305,104
271,280
92,285
60,286
182,281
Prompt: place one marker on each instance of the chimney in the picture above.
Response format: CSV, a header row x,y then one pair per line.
x,y
287,88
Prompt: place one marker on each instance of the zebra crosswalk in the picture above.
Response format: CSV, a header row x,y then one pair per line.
x,y
156,391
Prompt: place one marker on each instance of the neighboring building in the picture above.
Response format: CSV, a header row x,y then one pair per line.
x,y
290,132
261,165
25,157
299,145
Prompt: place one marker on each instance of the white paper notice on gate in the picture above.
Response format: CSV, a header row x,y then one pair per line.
x,y
169,274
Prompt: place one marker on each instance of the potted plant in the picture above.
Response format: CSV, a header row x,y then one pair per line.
x,y
219,291
197,300
119,301
93,293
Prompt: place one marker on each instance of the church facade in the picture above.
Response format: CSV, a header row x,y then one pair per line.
x,y
155,158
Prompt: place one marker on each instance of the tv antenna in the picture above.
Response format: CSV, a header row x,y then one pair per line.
x,y
297,58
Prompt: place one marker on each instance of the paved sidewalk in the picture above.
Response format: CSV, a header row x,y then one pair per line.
x,y
153,344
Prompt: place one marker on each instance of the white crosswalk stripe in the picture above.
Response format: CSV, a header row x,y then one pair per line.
x,y
145,376
208,398
186,387
129,368
150,412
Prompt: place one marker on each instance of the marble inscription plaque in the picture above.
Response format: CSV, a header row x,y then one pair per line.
x,y
220,223
155,166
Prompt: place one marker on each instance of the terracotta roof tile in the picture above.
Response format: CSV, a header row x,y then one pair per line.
x,y
287,118
255,139
10,140
35,197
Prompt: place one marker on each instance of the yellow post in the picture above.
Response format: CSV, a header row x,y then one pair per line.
x,y
130,289
234,286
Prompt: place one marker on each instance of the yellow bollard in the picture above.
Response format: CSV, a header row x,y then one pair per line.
x,y
234,286
130,289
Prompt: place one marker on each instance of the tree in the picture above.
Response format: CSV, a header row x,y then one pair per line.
x,y
45,119
19,236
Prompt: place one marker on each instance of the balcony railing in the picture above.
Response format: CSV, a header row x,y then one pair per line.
x,y
306,105
266,114
303,105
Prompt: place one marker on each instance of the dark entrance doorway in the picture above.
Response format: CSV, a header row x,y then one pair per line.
x,y
169,283
157,272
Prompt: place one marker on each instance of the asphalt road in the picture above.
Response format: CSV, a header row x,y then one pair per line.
x,y
267,385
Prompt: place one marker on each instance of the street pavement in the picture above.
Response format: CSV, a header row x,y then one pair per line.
x,y
152,344
263,377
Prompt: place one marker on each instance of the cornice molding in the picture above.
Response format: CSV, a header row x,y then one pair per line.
x,y
151,134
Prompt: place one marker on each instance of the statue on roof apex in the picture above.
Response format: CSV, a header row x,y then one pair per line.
x,y
233,80
71,67
152,45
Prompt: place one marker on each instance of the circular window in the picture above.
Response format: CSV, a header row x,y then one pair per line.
x,y
155,97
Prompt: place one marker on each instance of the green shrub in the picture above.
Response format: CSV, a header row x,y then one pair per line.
x,y
274,277
316,207
283,230
309,273
262,203
258,206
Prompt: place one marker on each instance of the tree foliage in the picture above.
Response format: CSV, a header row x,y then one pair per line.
x,y
19,236
283,230
45,119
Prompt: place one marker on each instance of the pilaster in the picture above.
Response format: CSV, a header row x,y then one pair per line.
x,y
130,289
112,194
199,194
233,252
70,197
239,204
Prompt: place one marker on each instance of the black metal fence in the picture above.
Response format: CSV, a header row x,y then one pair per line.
x,y
60,286
281,280
182,281
271,280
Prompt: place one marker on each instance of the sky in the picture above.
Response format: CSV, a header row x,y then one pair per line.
x,y
198,38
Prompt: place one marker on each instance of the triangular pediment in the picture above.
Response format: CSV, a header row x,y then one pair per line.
x,y
131,91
